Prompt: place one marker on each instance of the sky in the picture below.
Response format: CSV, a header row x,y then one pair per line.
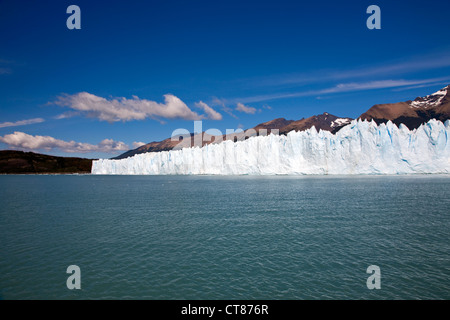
x,y
138,70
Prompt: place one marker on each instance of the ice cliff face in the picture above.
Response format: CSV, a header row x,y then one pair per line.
x,y
359,148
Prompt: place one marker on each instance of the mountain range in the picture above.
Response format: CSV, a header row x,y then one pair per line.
x,y
411,113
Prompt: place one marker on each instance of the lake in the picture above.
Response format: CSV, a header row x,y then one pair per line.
x,y
224,237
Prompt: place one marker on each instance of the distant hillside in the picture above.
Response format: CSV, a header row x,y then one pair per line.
x,y
28,162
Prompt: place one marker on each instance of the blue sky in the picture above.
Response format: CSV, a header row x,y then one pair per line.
x,y
137,70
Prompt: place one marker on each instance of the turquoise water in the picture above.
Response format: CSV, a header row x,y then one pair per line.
x,y
200,237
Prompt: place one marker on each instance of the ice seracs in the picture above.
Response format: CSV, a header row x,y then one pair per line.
x,y
361,147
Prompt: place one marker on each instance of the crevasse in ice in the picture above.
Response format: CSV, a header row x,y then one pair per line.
x,y
361,147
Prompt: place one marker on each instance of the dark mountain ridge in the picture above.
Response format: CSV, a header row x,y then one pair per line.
x,y
19,162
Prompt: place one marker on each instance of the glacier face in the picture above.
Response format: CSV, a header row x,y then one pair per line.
x,y
361,147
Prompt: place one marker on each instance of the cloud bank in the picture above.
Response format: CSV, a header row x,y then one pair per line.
x,y
21,140
123,109
346,87
388,69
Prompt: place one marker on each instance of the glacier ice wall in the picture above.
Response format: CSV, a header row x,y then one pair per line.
x,y
361,147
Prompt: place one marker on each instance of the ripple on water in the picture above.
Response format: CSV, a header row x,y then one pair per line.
x,y
224,238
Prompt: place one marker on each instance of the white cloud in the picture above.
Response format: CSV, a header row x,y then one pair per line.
x,y
242,108
387,69
21,140
123,109
347,87
5,71
21,122
210,112
138,144
66,115
222,104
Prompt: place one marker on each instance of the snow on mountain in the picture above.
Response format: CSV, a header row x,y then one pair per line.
x,y
431,100
412,113
362,147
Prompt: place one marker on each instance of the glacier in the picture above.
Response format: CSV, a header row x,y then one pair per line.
x,y
361,147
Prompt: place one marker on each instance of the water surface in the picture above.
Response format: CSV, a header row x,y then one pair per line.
x,y
209,237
